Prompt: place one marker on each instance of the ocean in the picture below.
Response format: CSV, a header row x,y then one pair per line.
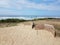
x,y
26,17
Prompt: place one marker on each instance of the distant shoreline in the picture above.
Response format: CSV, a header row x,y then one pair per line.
x,y
26,18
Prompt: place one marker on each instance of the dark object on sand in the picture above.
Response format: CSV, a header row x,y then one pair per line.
x,y
55,34
33,25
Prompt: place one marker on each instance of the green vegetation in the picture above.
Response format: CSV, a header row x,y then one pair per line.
x,y
43,18
39,19
12,20
21,20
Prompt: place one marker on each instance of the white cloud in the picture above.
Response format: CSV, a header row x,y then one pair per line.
x,y
4,3
41,6
20,4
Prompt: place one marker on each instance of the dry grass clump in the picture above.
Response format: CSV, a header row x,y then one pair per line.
x,y
48,27
57,26
39,26
7,24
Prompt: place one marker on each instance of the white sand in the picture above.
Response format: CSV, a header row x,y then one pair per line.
x,y
25,35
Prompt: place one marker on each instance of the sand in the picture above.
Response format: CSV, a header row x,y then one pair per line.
x,y
25,35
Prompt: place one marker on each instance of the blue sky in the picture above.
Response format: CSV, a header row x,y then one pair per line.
x,y
30,7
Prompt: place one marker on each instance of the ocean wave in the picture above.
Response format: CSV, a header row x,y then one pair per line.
x,y
25,18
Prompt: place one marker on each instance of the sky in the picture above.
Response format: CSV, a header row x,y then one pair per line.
x,y
30,7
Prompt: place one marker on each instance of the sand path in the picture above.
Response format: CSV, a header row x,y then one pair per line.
x,y
25,35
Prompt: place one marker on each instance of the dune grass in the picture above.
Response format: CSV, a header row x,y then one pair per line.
x,y
54,21
10,22
57,26
13,22
7,24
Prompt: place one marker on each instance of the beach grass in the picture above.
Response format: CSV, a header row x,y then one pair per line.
x,y
10,22
14,22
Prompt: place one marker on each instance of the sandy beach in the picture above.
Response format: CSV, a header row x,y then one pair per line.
x,y
25,35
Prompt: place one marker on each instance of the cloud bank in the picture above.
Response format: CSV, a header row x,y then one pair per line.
x,y
21,4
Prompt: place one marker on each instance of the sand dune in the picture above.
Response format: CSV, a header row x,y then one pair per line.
x,y
25,35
